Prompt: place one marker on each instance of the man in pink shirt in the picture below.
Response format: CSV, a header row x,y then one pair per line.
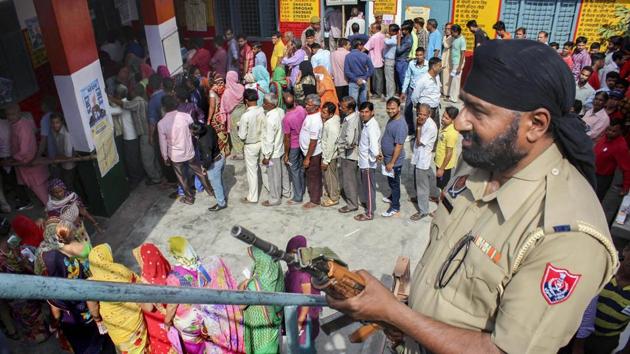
x,y
337,60
201,59
375,45
177,148
596,118
247,56
291,127
24,151
219,59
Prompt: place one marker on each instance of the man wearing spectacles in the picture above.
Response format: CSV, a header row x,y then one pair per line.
x,y
519,244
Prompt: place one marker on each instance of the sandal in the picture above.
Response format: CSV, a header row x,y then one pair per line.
x,y
362,217
345,210
328,203
186,200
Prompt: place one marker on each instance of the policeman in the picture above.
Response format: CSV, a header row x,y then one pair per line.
x,y
519,245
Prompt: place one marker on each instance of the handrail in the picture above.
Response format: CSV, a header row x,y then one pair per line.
x,y
17,286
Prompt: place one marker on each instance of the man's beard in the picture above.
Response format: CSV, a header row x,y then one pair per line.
x,y
497,156
289,105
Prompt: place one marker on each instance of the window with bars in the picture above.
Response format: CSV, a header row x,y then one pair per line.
x,y
252,18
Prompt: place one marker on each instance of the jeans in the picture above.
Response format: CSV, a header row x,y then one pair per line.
x,y
401,70
297,173
359,93
394,185
377,81
409,117
215,175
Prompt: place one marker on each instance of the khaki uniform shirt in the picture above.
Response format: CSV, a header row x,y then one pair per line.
x,y
540,251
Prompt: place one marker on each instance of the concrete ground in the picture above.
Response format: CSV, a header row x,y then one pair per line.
x,y
148,215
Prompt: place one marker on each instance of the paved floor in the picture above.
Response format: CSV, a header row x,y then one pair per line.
x,y
148,215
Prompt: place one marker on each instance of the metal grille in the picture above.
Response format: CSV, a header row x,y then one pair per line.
x,y
557,17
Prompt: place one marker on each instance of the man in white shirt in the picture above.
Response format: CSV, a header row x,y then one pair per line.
x,y
425,177
311,146
330,135
321,57
369,150
273,150
427,89
354,18
250,130
584,92
131,143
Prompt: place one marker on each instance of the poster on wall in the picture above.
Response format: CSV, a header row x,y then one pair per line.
x,y
412,12
35,42
295,15
196,15
128,11
485,12
340,2
596,13
101,127
385,7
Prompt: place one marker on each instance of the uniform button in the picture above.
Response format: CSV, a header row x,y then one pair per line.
x,y
427,281
555,171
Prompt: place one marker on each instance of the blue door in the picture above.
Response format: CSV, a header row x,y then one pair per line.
x,y
440,10
557,17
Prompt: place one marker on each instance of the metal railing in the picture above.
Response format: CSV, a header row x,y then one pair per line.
x,y
15,286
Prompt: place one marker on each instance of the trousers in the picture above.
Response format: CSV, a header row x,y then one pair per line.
x,y
390,78
401,70
350,182
331,181
252,155
378,80
149,162
394,186
314,179
425,182
215,175
368,189
182,180
358,92
275,179
296,169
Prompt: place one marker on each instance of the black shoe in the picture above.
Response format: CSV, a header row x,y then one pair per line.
x,y
217,207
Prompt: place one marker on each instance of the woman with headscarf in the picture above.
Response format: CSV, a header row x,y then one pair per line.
x,y
65,257
154,269
279,84
60,200
17,257
299,282
261,75
203,328
231,110
262,323
305,83
325,86
216,89
162,70
123,320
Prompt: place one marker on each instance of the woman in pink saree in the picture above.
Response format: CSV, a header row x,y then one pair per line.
x,y
204,329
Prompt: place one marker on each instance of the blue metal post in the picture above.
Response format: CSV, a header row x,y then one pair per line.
x,y
16,286
291,325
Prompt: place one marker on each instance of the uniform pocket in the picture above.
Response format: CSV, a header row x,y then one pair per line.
x,y
479,287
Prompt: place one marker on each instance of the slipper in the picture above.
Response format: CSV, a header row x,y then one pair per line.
x,y
362,217
186,200
247,201
329,203
345,210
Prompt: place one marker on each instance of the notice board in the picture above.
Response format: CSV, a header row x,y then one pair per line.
x,y
295,15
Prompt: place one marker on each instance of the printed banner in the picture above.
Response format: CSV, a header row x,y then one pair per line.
x,y
102,128
412,12
596,13
485,12
385,7
295,15
35,42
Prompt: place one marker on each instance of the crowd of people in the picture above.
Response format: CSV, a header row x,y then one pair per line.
x,y
303,120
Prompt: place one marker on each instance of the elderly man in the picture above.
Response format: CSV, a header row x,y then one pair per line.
x,y
515,254
273,150
330,135
316,26
311,145
24,152
250,130
347,146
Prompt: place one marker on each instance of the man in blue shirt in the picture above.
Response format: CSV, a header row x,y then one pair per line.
x,y
414,71
358,69
389,56
434,49
393,154
356,36
404,43
259,56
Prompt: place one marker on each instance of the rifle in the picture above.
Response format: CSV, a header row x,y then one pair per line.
x,y
328,273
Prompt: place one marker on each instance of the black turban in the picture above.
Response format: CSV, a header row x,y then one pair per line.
x,y
524,75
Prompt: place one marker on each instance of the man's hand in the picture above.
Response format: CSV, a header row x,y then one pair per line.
x,y
439,173
265,162
389,167
307,162
379,158
324,166
403,97
167,162
286,159
371,304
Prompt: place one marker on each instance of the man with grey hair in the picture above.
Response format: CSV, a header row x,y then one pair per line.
x,y
310,143
273,150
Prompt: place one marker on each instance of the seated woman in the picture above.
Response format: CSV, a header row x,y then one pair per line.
x,y
154,269
299,282
203,328
75,319
262,323
60,198
123,320
25,318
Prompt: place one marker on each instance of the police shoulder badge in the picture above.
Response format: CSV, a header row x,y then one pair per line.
x,y
458,186
558,284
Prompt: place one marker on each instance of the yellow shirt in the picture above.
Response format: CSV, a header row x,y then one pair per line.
x,y
278,53
447,138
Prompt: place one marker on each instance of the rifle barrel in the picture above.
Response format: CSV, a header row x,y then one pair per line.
x,y
249,237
